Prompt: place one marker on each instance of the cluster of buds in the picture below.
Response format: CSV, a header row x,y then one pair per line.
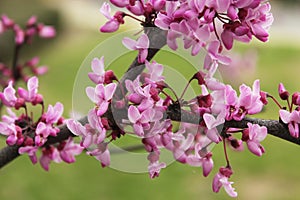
x,y
23,37
29,133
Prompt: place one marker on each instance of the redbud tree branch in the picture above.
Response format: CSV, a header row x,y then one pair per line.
x,y
157,39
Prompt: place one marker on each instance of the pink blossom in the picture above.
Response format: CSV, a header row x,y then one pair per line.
x,y
68,150
19,35
249,101
137,8
134,117
42,132
30,95
31,151
155,71
92,133
212,123
283,93
142,45
253,135
215,55
296,98
164,20
46,31
13,133
154,168
114,22
7,22
292,119
99,75
8,97
54,113
221,179
49,154
101,96
179,151
10,118
102,154
120,3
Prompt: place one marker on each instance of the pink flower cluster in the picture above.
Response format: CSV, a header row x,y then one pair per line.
x,y
26,35
291,117
29,134
93,133
197,22
23,37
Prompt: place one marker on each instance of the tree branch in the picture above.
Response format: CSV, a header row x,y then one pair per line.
x,y
157,39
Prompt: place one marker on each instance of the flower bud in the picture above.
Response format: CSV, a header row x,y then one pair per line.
x,y
283,93
296,98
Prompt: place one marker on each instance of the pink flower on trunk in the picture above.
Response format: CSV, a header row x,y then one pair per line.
x,y
54,113
68,150
142,45
212,123
293,120
253,135
101,96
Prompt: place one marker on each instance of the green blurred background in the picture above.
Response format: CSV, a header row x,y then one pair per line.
x,y
273,176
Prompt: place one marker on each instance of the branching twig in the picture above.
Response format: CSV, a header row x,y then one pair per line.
x,y
174,112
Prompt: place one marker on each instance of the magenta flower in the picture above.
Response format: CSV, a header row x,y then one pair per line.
x,y
134,117
8,97
19,35
283,93
249,101
68,150
13,133
164,19
154,168
101,96
114,22
54,113
99,75
31,151
253,135
42,132
30,95
46,31
92,133
142,45
120,3
10,118
155,71
212,123
221,179
49,154
102,154
293,120
215,55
